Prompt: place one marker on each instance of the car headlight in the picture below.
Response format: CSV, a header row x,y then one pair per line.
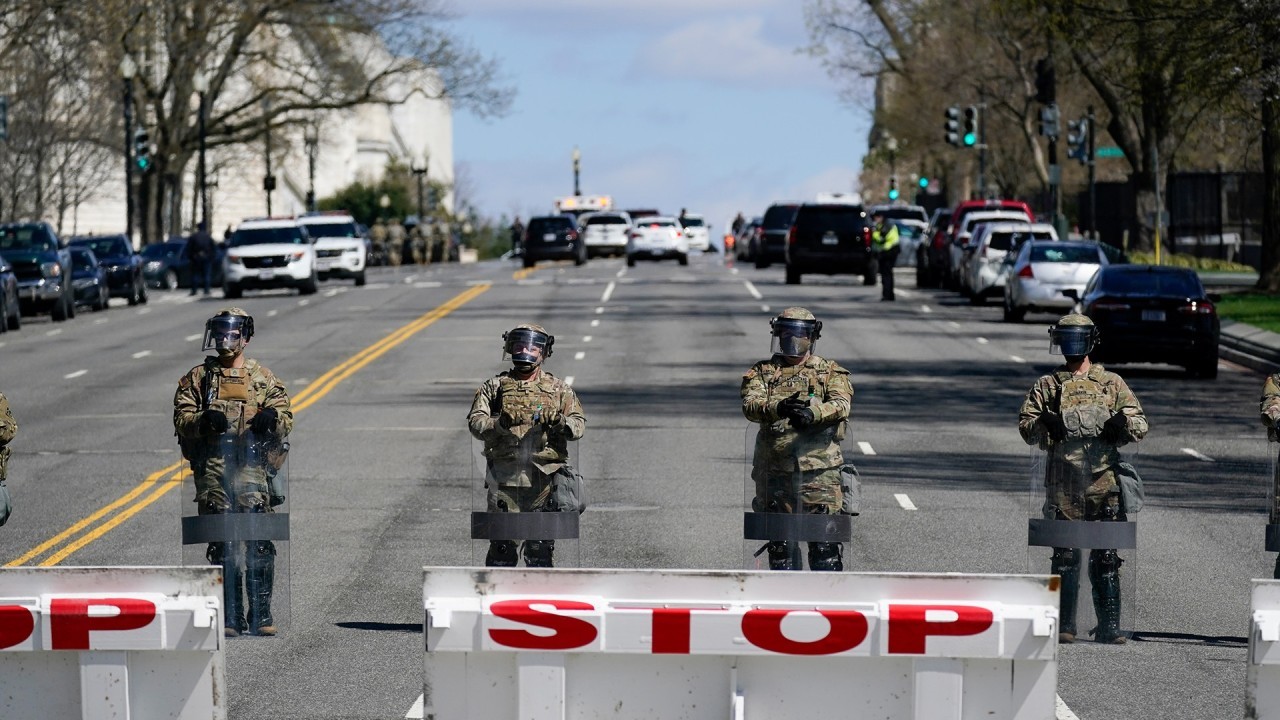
x,y
153,265
297,256
50,269
235,260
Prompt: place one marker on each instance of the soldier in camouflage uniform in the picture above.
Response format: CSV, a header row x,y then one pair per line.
x,y
1269,410
1081,414
418,244
8,428
395,241
218,403
801,402
526,417
378,238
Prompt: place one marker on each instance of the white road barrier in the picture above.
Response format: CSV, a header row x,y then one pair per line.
x,y
541,644
111,643
1263,685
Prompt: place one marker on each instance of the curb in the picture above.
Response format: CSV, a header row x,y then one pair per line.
x,y
1250,346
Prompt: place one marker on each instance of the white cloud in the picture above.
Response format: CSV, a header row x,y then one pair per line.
x,y
726,51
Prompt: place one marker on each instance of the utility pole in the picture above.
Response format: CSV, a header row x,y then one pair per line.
x,y
1093,185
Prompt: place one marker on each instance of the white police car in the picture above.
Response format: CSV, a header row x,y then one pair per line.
x,y
267,253
340,250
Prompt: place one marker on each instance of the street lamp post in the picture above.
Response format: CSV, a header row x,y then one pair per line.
x,y
421,174
269,180
892,146
201,84
128,68
312,138
577,166
384,202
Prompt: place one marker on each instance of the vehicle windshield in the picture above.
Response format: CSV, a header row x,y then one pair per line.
x,y
779,216
26,238
911,231
162,250
840,219
540,225
104,247
1152,282
1059,253
606,220
81,260
265,236
904,213
692,222
1010,240
333,229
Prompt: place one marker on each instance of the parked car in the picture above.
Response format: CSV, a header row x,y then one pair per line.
x,y
910,236
552,237
42,265
122,264
657,238
984,273
914,215
832,239
963,233
89,279
696,230
931,254
10,315
270,253
747,237
340,250
770,244
1157,314
1049,276
605,233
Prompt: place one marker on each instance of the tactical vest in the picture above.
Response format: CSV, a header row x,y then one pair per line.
x,y
1085,406
527,404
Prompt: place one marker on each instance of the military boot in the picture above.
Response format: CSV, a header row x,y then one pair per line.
x,y
1104,574
784,556
537,553
825,557
260,572
1066,564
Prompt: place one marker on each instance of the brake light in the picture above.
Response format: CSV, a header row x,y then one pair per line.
x,y
1113,305
866,236
573,234
635,233
1197,307
1025,272
791,235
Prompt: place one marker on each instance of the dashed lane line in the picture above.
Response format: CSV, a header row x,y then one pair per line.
x,y
751,288
983,341
926,309
599,311
579,355
1017,358
74,375
595,323
51,333
193,338
608,292
586,338
140,354
866,448
904,501
1198,455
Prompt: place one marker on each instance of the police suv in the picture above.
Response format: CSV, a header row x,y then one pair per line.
x,y
340,250
270,253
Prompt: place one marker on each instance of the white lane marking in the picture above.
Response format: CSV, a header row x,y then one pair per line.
x,y
141,354
926,309
752,289
983,341
906,293
473,283
599,311
144,311
595,323
568,379
608,292
1061,711
304,302
416,712
733,271
764,308
99,321
76,374
428,284
580,354
409,280
273,313
621,272
51,333
953,324
904,501
1,344
193,338
1198,455
331,293
866,449
1017,359
586,338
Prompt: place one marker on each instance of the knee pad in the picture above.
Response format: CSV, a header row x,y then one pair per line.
x,y
1104,562
825,557
537,553
216,553
502,553
1066,558
782,556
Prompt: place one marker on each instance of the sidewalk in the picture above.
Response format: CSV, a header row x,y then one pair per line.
x,y
1250,346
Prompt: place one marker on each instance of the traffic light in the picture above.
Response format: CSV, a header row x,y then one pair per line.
x,y
893,188
4,117
924,183
1049,121
971,121
1078,140
1046,83
952,126
141,150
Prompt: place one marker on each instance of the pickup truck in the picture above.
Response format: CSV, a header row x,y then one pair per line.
x,y
42,264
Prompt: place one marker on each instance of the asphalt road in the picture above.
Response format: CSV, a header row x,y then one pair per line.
x,y
381,472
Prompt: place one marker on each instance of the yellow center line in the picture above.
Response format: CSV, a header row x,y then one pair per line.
x,y
304,399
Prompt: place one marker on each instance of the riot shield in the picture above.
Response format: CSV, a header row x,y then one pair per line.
x,y
800,499
235,514
1079,529
1272,450
527,495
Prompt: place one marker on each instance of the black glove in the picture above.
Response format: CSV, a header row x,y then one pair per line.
x,y
264,423
788,408
1053,425
1116,429
802,418
213,422
505,421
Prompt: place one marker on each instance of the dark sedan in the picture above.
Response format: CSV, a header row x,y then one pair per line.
x,y
122,264
165,265
10,315
89,279
1157,314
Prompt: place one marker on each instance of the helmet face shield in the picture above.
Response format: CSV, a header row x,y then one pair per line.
x,y
526,348
228,334
792,337
1072,341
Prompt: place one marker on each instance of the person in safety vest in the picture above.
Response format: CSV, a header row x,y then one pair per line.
x,y
232,418
1081,414
526,417
1269,408
884,246
801,402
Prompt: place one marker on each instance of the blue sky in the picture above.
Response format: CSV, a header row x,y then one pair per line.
x,y
702,104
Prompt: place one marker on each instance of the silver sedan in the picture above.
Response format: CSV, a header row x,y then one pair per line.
x,y
1049,276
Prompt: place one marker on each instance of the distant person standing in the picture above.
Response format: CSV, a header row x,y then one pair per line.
x,y
884,246
517,235
200,251
738,222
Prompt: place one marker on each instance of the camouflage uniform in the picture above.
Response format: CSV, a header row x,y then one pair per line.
x,y
395,242
378,237
792,464
1081,481
8,428
418,241
1269,412
526,426
240,394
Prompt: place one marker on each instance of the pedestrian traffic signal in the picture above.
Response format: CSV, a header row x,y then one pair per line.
x,y
1049,121
141,150
1078,140
893,188
952,126
971,121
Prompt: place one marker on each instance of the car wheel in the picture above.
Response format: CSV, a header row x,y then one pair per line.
x,y
360,279
761,263
71,307
631,261
15,320
976,298
684,259
230,290
101,303
793,276
309,286
4,314
170,280
142,291
133,294
1207,366
529,262
869,279
580,259
1012,314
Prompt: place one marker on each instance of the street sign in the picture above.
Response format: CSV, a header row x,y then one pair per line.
x,y
1108,151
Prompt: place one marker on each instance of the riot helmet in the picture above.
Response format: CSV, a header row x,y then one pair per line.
x,y
527,346
1073,337
795,331
228,332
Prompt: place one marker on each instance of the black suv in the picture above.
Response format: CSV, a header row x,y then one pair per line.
x,y
42,265
830,239
124,266
553,237
771,240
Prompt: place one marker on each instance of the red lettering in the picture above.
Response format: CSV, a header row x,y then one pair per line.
x,y
569,632
71,622
763,628
909,626
16,625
